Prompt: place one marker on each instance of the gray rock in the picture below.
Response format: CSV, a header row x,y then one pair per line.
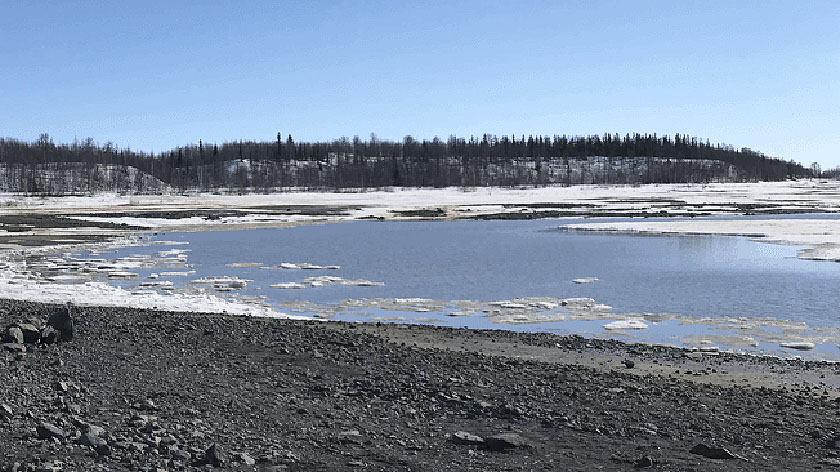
x,y
31,333
244,458
63,323
49,430
103,449
93,430
65,387
14,347
712,452
643,463
50,335
464,437
139,421
350,436
182,455
13,335
502,441
88,439
215,455
6,411
147,404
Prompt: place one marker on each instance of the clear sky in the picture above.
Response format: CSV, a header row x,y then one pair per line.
x,y
152,75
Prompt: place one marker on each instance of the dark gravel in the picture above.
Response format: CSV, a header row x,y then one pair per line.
x,y
144,390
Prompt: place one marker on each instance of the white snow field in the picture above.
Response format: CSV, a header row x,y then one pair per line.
x,y
791,196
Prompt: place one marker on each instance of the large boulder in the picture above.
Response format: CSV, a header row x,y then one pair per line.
x,y
62,321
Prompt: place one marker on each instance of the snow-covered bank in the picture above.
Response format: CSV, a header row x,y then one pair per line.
x,y
102,294
40,275
297,207
820,236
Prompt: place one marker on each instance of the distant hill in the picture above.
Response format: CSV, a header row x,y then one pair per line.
x,y
42,167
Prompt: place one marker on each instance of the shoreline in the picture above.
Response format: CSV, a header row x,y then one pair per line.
x,y
161,388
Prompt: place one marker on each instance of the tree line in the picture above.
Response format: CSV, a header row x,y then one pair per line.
x,y
488,160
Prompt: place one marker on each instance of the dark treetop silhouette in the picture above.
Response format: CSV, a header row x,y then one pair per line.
x,y
43,167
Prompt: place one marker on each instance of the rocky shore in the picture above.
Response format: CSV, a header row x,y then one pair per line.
x,y
145,390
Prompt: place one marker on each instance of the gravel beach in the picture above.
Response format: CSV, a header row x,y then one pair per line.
x,y
146,390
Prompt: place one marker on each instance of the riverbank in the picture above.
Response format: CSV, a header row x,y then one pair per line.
x,y
165,387
203,211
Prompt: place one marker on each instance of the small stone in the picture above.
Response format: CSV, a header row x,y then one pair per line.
x,y
13,335
502,441
215,455
628,363
181,455
712,452
350,436
244,458
464,437
62,321
88,439
14,347
93,430
139,421
643,463
147,404
50,335
49,430
31,333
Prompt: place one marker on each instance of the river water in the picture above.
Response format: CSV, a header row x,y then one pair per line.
x,y
488,261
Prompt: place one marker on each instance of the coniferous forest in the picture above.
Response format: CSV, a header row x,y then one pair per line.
x,y
45,168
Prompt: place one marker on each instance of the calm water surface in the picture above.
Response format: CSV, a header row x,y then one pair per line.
x,y
497,260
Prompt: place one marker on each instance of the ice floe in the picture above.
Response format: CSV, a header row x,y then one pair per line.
x,y
630,323
177,273
288,285
301,265
222,283
322,280
800,345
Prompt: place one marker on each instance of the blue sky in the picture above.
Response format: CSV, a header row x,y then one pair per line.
x,y
153,75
